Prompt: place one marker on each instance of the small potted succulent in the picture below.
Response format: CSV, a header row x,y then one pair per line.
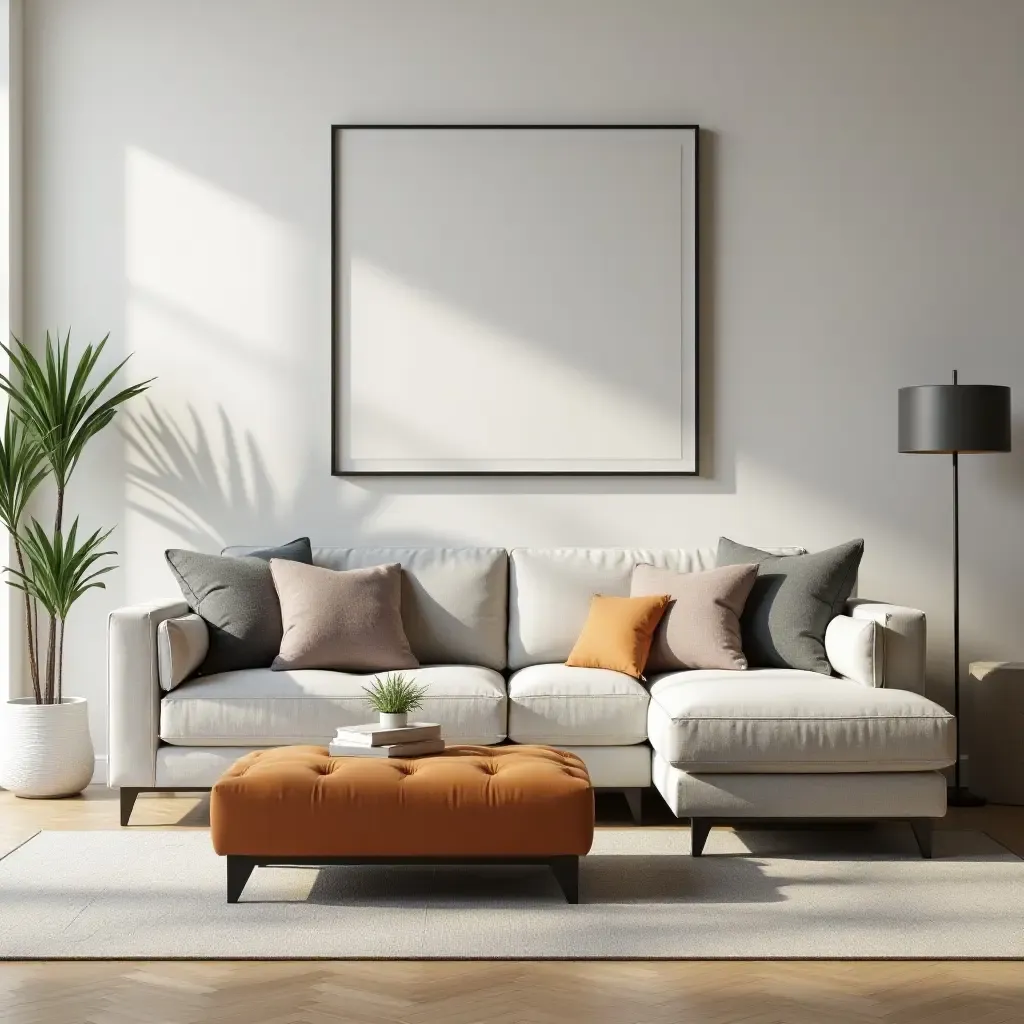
x,y
393,697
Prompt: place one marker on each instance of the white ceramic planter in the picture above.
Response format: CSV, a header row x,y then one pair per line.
x,y
45,749
399,721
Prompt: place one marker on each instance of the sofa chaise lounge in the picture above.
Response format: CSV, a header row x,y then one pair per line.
x,y
492,629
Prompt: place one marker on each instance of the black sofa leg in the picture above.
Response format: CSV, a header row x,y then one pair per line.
x,y
700,828
128,798
923,834
239,870
567,874
635,799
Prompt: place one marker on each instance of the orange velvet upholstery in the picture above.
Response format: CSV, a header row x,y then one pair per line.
x,y
516,801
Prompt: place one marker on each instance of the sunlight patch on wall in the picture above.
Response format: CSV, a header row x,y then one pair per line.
x,y
427,386
216,257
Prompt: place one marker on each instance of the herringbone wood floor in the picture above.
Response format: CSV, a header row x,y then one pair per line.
x,y
496,993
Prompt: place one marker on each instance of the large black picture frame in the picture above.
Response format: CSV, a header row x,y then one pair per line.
x,y
339,298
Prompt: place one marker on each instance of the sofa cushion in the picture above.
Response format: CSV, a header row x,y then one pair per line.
x,y
617,634
783,720
260,707
348,620
559,705
236,598
550,591
794,599
454,600
701,626
181,646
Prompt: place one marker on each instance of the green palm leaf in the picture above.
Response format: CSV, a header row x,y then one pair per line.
x,y
22,470
58,567
55,402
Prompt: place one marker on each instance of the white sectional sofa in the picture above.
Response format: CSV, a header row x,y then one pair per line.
x,y
492,629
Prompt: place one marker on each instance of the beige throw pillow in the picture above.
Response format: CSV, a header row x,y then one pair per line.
x,y
350,620
701,627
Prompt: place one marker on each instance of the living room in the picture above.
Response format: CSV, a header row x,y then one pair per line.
x,y
551,374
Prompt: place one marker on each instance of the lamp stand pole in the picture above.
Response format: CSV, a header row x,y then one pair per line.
x,y
958,795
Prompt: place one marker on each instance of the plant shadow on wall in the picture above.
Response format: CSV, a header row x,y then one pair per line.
x,y
211,487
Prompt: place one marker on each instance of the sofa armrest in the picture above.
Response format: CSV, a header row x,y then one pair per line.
x,y
133,691
854,648
904,637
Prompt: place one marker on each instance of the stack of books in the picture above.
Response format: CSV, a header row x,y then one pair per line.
x,y
374,740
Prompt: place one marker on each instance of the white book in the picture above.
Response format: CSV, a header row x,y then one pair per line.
x,y
416,749
373,734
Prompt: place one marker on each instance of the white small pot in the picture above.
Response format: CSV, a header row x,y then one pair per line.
x,y
45,749
398,721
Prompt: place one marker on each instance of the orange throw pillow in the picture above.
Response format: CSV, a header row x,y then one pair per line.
x,y
618,633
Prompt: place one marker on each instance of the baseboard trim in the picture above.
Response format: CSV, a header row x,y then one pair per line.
x,y
99,772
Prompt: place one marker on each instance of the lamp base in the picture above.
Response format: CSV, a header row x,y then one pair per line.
x,y
961,796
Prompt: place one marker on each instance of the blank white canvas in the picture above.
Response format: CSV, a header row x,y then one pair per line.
x,y
516,300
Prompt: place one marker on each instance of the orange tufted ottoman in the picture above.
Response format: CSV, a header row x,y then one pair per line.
x,y
298,805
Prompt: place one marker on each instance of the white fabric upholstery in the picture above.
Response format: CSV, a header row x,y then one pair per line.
x,y
904,639
133,691
454,600
854,649
195,767
807,795
557,704
550,591
609,767
782,720
258,707
615,767
459,612
181,646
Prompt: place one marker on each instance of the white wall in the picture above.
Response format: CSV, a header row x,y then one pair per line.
x,y
862,229
11,290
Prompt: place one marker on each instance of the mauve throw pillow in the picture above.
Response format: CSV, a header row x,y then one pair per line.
x,y
236,598
793,600
701,626
349,620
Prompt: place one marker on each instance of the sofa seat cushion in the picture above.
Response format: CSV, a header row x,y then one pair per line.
x,y
785,720
259,707
561,704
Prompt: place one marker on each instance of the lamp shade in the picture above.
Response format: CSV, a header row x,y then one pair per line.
x,y
946,418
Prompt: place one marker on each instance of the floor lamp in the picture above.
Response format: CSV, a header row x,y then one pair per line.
x,y
950,419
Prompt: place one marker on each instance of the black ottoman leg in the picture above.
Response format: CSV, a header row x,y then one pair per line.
x,y
567,874
239,870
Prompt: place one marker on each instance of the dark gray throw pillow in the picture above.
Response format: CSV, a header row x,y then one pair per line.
x,y
793,600
237,599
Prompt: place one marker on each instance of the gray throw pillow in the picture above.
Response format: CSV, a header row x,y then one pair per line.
x,y
237,599
349,620
793,600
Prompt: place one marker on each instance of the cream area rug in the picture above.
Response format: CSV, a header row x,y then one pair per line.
x,y
754,894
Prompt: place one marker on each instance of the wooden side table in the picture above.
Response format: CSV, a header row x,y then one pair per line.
x,y
996,731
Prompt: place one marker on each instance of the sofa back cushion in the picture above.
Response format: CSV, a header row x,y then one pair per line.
x,y
550,591
454,600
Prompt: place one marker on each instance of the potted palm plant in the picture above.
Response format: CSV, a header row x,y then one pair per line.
x,y
55,407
